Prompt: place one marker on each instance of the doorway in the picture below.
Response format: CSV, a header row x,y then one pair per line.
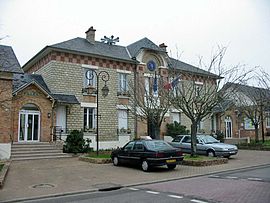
x,y
29,125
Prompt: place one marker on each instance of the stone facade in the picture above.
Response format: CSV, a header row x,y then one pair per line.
x,y
66,75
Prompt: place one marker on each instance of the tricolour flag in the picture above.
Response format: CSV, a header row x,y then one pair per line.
x,y
171,85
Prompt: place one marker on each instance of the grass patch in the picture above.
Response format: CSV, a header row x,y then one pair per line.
x,y
101,154
197,158
255,145
1,166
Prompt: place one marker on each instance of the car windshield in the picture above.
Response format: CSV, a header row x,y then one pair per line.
x,y
209,139
158,145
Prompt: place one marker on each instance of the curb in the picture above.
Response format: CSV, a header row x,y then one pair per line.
x,y
3,173
129,185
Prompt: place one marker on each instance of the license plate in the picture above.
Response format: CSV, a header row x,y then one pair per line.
x,y
171,161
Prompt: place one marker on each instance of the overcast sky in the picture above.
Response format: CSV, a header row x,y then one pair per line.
x,y
193,27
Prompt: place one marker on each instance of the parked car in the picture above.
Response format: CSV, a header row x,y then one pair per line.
x,y
147,153
206,145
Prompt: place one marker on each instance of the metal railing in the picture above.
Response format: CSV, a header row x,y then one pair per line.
x,y
58,132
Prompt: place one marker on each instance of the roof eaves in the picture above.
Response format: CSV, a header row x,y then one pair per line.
x,y
32,83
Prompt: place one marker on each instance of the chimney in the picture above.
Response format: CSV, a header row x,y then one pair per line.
x,y
90,35
163,47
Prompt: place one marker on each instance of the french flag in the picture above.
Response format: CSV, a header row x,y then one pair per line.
x,y
171,85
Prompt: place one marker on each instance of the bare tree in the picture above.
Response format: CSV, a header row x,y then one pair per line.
x,y
149,101
197,93
250,102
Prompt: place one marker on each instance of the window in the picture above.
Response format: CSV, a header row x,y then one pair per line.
x,y
89,78
177,139
122,82
267,118
248,124
176,117
122,119
89,118
138,147
151,86
129,146
187,139
198,88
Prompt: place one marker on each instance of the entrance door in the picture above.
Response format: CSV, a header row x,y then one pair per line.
x,y
29,125
61,118
228,126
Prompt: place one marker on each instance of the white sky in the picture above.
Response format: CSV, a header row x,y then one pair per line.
x,y
194,27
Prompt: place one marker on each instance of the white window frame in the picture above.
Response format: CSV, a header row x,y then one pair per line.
x,y
248,124
174,115
122,82
122,115
93,124
267,119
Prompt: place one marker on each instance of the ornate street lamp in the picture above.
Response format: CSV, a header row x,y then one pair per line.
x,y
105,77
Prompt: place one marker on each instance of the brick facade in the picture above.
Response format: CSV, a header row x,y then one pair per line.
x,y
33,95
5,107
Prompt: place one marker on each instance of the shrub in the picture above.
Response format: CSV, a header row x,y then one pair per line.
x,y
176,128
219,136
75,143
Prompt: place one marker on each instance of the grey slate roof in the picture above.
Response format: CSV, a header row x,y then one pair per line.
x,y
256,93
22,80
64,98
99,48
8,60
173,63
144,43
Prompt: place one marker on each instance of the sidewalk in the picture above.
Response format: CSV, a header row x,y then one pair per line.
x,y
28,179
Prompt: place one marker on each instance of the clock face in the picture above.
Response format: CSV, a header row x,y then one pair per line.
x,y
151,65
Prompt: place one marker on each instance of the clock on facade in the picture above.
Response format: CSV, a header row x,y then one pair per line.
x,y
151,65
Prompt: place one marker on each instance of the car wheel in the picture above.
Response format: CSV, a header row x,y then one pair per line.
x,y
145,166
171,166
115,161
211,153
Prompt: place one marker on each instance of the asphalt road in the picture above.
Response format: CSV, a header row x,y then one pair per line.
x,y
249,186
246,185
126,195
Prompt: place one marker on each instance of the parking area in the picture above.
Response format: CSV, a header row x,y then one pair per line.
x,y
57,176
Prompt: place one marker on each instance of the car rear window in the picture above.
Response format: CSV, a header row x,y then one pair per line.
x,y
158,145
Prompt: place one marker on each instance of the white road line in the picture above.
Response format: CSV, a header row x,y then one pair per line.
x,y
213,176
152,192
197,201
231,177
132,188
175,196
254,179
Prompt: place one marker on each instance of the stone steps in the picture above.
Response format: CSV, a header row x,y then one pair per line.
x,y
39,150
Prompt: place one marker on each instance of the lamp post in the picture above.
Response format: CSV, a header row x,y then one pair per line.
x,y
105,77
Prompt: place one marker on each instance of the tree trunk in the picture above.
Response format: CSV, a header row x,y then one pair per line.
x,y
193,138
256,132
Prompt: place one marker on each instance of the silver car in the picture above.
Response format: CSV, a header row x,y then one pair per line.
x,y
206,145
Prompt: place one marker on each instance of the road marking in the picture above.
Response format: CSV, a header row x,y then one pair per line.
x,y
175,196
197,201
132,188
231,177
254,179
152,192
213,176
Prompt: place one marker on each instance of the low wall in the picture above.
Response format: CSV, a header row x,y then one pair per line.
x,y
122,140
237,140
5,151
